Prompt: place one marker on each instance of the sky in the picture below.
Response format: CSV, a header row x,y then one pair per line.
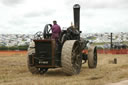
x,y
30,16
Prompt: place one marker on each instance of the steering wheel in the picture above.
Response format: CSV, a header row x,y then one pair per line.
x,y
47,31
39,36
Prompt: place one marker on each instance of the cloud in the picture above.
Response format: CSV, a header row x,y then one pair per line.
x,y
39,13
49,12
16,22
33,14
11,2
107,4
105,20
30,16
96,4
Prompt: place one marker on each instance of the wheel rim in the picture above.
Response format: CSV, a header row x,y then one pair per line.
x,y
92,56
95,57
76,57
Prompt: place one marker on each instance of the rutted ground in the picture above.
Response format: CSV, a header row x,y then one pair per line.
x,y
13,71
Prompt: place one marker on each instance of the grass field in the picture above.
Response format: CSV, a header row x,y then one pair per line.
x,y
13,71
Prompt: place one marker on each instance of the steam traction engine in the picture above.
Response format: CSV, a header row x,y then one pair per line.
x,y
45,53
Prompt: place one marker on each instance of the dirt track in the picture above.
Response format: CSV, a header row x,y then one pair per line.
x,y
120,83
13,71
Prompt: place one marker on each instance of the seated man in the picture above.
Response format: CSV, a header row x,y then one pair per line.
x,y
56,30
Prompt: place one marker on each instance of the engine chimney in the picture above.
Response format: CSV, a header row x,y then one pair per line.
x,y
76,9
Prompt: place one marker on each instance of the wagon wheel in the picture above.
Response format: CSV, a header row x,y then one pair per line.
x,y
38,36
71,57
92,56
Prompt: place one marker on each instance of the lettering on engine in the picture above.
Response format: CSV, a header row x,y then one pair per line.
x,y
43,62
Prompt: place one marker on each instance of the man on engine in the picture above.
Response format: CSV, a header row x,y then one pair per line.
x,y
56,30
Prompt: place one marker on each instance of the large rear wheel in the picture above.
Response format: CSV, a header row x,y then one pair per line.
x,y
71,57
92,57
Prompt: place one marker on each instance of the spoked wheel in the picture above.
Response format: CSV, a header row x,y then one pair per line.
x,y
92,57
47,31
71,57
38,36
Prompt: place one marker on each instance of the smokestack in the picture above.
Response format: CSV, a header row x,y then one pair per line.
x,y
76,9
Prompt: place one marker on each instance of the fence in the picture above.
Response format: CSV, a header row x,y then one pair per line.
x,y
113,51
10,53
100,51
110,51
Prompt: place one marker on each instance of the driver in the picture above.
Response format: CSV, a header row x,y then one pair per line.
x,y
56,30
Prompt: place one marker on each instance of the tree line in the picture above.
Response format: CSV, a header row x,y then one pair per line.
x,y
23,47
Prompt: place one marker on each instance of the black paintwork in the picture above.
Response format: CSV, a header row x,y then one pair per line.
x,y
43,48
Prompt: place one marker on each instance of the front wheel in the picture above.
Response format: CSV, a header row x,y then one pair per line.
x,y
92,57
